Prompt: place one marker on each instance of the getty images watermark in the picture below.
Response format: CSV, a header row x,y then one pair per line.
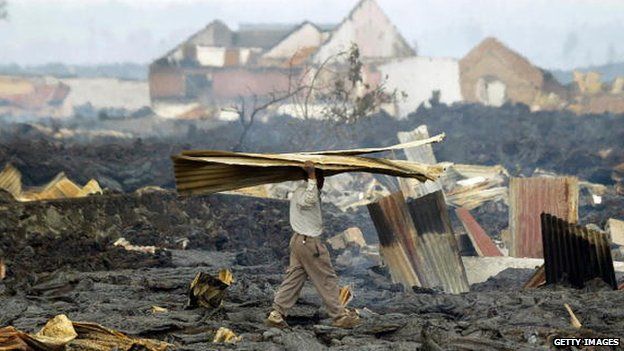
x,y
586,342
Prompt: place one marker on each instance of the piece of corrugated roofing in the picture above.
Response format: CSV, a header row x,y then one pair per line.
x,y
58,188
479,238
528,198
211,171
437,241
420,229
574,254
394,225
11,180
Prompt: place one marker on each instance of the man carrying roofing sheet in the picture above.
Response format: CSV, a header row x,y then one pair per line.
x,y
309,257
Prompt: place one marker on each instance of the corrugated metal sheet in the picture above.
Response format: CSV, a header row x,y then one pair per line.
x,y
437,244
479,238
213,171
58,188
574,254
421,227
528,198
422,154
393,224
11,180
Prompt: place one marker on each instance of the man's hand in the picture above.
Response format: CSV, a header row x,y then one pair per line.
x,y
309,168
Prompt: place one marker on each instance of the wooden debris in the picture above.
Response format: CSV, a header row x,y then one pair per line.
x,y
573,320
482,243
537,279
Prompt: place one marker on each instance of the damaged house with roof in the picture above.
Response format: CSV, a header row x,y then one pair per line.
x,y
218,65
493,74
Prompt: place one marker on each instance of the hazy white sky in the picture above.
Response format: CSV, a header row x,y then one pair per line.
x,y
551,33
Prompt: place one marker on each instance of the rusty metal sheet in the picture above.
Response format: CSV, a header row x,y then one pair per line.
x,y
421,228
437,243
528,198
392,222
574,254
479,238
209,171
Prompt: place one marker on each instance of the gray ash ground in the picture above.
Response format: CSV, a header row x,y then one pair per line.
x,y
249,236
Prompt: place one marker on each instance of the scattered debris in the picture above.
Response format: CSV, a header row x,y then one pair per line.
x,y
574,254
158,309
128,246
2,269
529,197
537,279
345,295
351,236
479,238
60,333
470,186
58,188
208,291
225,335
422,154
615,228
573,320
200,172
421,229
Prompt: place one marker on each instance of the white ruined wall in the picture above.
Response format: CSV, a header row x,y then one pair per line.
x,y
213,56
371,29
306,36
419,77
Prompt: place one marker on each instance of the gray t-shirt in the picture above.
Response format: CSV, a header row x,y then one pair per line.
x,y
305,210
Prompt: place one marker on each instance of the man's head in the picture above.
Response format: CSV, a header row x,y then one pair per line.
x,y
315,173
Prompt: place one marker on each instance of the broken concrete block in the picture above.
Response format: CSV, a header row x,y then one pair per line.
x,y
351,236
615,228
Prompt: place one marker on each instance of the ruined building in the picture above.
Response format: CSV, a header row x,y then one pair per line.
x,y
218,65
493,74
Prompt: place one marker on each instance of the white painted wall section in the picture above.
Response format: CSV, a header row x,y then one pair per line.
x,y
419,77
371,30
213,56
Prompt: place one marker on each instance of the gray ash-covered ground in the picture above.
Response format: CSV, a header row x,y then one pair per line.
x,y
249,236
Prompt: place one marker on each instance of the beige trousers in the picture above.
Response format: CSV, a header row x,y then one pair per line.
x,y
309,258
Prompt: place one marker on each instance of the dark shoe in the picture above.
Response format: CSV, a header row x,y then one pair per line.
x,y
275,319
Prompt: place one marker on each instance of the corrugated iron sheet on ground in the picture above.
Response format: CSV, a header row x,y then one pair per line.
x,y
422,229
574,254
58,188
479,238
211,171
528,198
